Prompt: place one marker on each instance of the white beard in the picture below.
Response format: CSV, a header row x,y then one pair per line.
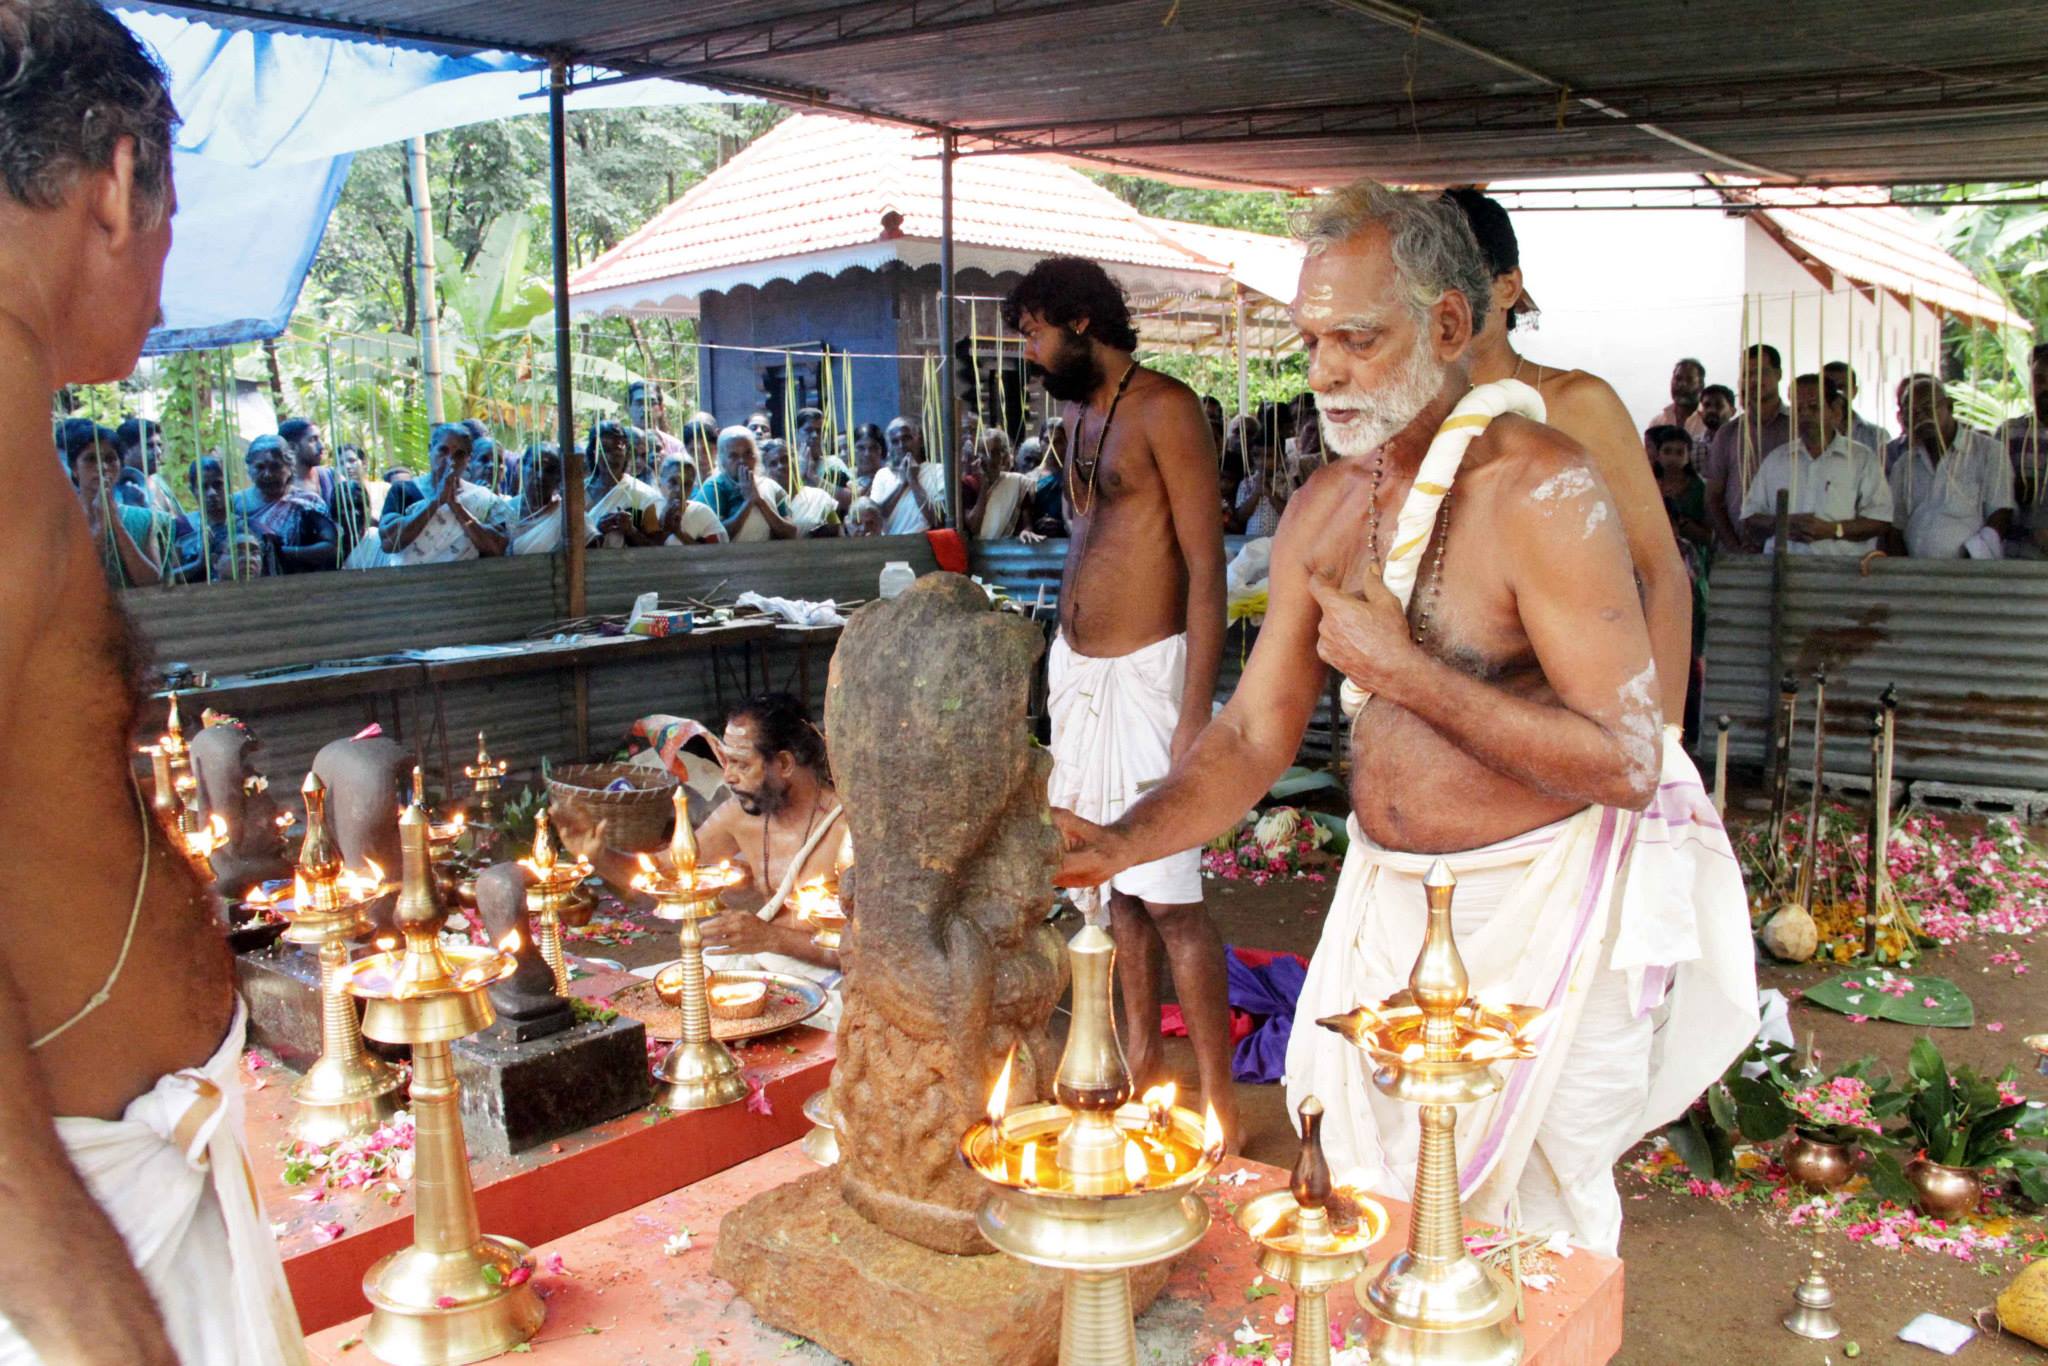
x,y
1386,413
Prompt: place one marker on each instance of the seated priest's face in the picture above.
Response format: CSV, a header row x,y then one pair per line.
x,y
760,786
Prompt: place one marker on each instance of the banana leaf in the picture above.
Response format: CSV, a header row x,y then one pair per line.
x,y
1853,993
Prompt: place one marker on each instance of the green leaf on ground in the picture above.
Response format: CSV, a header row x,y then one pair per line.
x,y
1951,1008
1260,1291
1296,781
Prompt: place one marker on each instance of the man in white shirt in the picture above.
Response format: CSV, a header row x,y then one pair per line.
x,y
903,489
1951,484
1861,430
1840,503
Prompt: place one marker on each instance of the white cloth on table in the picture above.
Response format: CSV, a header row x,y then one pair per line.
x,y
173,1178
1112,736
1631,929
1845,481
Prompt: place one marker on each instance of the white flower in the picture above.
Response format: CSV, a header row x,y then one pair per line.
x,y
1247,1335
1277,826
676,1246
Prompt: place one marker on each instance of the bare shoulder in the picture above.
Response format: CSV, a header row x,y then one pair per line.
x,y
1154,388
1313,508
1173,420
1577,390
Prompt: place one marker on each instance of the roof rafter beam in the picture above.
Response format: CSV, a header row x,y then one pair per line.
x,y
836,29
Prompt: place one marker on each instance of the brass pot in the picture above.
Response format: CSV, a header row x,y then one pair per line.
x,y
1944,1192
1817,1165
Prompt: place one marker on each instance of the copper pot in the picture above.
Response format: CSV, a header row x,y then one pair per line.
x,y
1944,1192
1817,1165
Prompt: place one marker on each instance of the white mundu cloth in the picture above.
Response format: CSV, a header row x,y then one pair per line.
x,y
172,1175
1630,929
1112,734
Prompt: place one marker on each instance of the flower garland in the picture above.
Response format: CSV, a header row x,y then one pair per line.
x,y
1280,843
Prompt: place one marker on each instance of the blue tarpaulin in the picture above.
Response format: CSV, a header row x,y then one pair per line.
x,y
271,120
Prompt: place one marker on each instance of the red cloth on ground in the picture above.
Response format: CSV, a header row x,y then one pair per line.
x,y
948,549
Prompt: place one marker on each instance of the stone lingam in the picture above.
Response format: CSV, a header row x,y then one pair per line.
x,y
230,787
365,779
538,1073
949,966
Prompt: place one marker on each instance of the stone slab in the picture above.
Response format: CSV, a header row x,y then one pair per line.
x,y
519,1095
807,1263
330,1237
1980,799
281,985
615,1293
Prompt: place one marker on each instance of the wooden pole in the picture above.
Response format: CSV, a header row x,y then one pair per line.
x,y
948,395
423,268
573,536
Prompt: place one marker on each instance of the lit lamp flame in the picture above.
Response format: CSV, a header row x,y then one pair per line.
x,y
999,1097
1135,1170
387,942
1028,1175
1158,1103
1212,1133
649,877
259,896
510,943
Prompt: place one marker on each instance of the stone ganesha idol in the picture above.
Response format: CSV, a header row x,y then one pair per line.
x,y
949,962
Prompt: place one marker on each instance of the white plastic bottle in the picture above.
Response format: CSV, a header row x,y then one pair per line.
x,y
897,575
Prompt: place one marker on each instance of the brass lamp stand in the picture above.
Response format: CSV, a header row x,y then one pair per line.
x,y
698,1072
456,1295
1090,1183
346,1091
1434,1045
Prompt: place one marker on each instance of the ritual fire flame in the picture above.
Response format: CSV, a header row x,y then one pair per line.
x,y
1158,1103
1135,1169
1212,1134
999,1096
510,943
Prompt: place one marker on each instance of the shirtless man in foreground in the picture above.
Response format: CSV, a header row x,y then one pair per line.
x,y
1133,672
1585,408
101,902
1513,716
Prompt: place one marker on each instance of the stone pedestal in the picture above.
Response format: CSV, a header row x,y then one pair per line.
x,y
886,1300
281,985
519,1094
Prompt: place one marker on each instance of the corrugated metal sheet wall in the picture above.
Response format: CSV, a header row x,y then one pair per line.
x,y
233,628
1966,643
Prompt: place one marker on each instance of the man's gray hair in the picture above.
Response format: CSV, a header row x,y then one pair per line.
x,y
1433,246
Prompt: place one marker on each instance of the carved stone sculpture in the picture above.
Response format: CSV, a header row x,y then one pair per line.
x,y
230,787
526,1002
949,963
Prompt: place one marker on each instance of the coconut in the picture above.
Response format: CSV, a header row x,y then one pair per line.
x,y
1790,934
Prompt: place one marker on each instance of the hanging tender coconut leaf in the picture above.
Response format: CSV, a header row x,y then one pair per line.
x,y
1951,1008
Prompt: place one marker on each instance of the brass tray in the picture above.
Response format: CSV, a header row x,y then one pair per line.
x,y
664,1021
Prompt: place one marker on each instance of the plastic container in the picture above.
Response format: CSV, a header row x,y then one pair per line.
x,y
897,575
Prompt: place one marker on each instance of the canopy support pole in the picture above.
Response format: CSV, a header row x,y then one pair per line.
x,y
949,395
423,268
1244,379
573,536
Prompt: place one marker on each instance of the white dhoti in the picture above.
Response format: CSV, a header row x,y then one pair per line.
x,y
172,1176
1112,735
1631,930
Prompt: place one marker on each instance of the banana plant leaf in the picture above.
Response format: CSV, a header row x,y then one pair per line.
x,y
1854,993
1296,781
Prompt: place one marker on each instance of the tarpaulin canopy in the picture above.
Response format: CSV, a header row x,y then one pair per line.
x,y
271,120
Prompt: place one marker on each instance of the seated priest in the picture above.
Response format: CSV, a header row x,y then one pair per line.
x,y
782,824
454,520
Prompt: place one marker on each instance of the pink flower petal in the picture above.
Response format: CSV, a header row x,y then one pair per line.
x,y
1995,1027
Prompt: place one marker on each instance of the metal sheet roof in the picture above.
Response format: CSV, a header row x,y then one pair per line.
x,y
1306,93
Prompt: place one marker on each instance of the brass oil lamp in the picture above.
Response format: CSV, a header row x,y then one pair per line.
x,y
1092,1183
346,1091
1312,1235
1435,1046
556,898
167,757
698,1072
457,1294
817,905
486,775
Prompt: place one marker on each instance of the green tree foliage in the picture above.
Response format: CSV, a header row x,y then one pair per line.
x,y
2004,241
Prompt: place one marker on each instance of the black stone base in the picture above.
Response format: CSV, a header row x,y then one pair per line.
x,y
517,1096
281,985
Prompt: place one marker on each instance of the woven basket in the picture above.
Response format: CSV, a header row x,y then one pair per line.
x,y
636,820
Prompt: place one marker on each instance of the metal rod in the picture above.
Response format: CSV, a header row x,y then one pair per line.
x,y
573,537
1878,794
948,397
423,269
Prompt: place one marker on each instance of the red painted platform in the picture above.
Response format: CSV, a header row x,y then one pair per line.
x,y
614,1295
330,1237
